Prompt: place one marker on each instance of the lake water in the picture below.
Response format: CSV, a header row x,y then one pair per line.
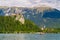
x,y
29,37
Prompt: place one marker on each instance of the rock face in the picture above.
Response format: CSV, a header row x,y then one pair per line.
x,y
20,18
17,13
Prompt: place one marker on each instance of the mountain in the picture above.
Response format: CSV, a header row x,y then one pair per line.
x,y
42,16
52,14
10,25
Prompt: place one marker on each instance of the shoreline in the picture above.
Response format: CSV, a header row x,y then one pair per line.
x,y
31,33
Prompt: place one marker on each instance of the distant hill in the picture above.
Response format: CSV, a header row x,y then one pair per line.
x,y
42,16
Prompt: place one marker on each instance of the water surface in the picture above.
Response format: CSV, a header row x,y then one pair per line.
x,y
29,37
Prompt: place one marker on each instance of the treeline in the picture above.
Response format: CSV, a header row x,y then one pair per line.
x,y
8,24
51,30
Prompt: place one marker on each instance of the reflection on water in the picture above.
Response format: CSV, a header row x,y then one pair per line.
x,y
29,37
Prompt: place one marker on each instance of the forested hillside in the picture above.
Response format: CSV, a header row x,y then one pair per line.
x,y
10,25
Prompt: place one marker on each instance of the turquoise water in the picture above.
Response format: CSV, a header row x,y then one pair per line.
x,y
29,37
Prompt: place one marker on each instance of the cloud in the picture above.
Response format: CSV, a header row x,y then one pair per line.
x,y
52,3
30,3
35,1
15,3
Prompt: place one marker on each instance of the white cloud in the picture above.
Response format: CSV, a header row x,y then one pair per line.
x,y
52,3
15,3
35,1
30,3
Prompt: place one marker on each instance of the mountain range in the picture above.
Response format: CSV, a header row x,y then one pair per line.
x,y
41,16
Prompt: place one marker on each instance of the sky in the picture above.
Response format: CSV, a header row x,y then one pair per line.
x,y
31,3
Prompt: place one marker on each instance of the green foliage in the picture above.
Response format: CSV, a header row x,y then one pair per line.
x,y
51,30
10,25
